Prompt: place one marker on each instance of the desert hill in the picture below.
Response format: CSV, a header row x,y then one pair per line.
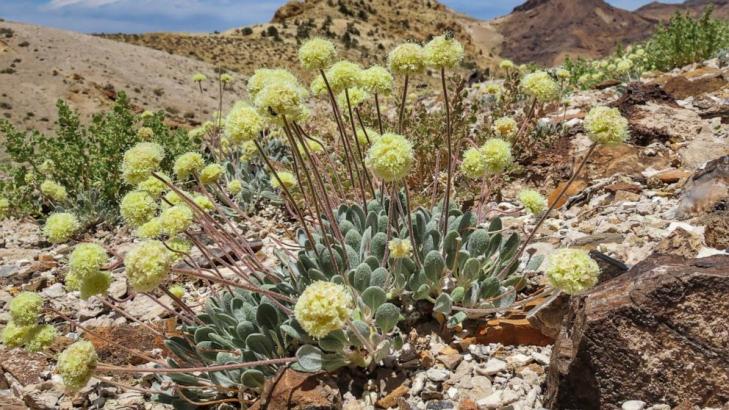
x,y
39,65
662,11
546,31
363,30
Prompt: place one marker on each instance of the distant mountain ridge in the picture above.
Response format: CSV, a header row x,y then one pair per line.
x,y
658,11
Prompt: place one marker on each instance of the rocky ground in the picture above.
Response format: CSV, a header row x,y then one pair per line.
x,y
664,193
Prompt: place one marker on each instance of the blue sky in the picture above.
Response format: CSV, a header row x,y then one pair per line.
x,y
132,16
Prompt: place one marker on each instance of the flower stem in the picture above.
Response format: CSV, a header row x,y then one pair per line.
x,y
446,200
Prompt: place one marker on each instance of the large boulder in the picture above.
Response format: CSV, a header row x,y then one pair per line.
x,y
658,333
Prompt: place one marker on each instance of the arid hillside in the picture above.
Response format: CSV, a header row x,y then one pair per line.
x,y
39,65
663,11
546,31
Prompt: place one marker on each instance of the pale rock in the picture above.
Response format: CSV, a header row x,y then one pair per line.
x,y
492,401
633,405
492,367
437,375
520,359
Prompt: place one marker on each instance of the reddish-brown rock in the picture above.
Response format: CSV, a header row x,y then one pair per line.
x,y
300,391
657,333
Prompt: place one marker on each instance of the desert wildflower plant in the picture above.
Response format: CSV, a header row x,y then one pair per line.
x,y
366,254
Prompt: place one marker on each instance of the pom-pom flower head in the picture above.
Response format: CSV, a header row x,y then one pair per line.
x,y
606,126
176,219
147,265
400,248
40,338
94,284
533,201
226,78
318,87
491,89
322,308
506,65
54,191
153,186
540,86
150,230
473,165
357,96
390,157
235,187
243,123
203,202
408,58
316,54
14,335
177,290
199,77
76,364
145,133
572,271
344,75
4,208
60,227
505,127
26,308
376,80
367,138
443,52
137,207
211,174
86,259
140,161
497,155
281,98
188,164
262,77
248,150
287,179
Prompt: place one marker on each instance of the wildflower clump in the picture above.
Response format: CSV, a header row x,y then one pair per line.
x,y
505,127
400,248
175,219
606,126
60,227
473,165
316,54
533,201
76,364
188,164
137,207
243,123
211,174
25,308
322,308
497,155
390,157
54,191
147,265
286,178
408,58
140,161
572,271
443,52
540,86
343,75
376,80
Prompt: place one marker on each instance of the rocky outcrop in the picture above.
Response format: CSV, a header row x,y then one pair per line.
x,y
708,190
657,333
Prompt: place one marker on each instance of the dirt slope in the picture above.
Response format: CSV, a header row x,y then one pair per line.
x,y
39,65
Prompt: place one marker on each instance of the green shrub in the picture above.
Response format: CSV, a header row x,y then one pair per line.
x,y
84,159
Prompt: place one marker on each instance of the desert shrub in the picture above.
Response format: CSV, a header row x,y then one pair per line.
x,y
681,41
83,159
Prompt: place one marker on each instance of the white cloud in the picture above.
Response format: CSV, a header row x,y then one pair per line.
x,y
57,4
